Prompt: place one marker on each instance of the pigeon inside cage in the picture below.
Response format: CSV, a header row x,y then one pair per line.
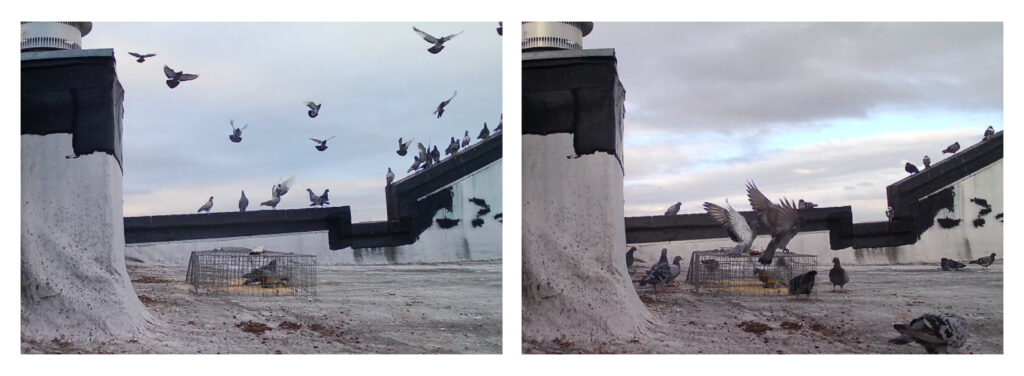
x,y
240,271
720,271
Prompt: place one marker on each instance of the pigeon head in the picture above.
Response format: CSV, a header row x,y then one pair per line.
x,y
993,253
677,260
835,260
812,273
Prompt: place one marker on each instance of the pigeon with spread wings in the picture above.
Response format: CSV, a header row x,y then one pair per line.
x,y
141,57
175,78
438,42
440,107
735,225
782,220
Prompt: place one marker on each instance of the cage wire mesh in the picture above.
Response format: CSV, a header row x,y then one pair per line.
x,y
718,271
238,271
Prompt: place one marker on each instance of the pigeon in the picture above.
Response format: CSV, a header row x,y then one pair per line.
x,y
985,261
735,225
501,120
142,58
951,149
988,132
207,206
837,275
243,203
659,272
499,28
782,220
175,78
951,265
282,188
271,202
889,213
438,42
452,147
324,199
403,148
424,156
415,164
802,284
806,204
314,109
313,198
436,155
937,333
440,107
674,209
674,269
484,133
927,161
322,143
911,168
465,139
236,133
390,176
629,257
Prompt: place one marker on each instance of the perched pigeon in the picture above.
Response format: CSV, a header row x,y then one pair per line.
x,y
314,109
674,209
438,42
484,133
927,161
806,204
952,148
499,28
403,148
988,132
837,275
629,257
735,225
142,58
501,120
324,199
415,164
802,284
674,269
465,139
782,220
985,261
282,188
236,133
659,272
911,168
424,154
951,265
243,202
452,147
435,155
889,213
322,143
440,107
207,206
390,176
175,78
271,202
455,145
937,333
313,198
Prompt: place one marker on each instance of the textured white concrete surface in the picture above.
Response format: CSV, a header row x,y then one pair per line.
x,y
74,282
573,234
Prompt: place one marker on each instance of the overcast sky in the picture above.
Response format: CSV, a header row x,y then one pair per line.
x,y
376,82
827,112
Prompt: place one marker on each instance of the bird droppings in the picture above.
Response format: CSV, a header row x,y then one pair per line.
x,y
288,325
250,326
754,327
791,326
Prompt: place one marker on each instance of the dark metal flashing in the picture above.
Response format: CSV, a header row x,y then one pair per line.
x,y
164,228
77,93
577,93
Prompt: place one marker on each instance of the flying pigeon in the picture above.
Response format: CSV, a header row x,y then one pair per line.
x,y
674,270
659,272
988,132
674,209
985,261
499,28
806,204
484,133
322,143
313,198
629,257
952,148
802,284
436,155
927,162
438,43
207,206
314,109
937,333
501,120
837,275
440,107
403,148
733,223
889,213
324,199
175,78
465,139
243,203
142,58
282,188
782,221
415,164
911,168
272,202
390,176
236,133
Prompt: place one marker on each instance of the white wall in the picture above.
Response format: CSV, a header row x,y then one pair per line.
x,y
459,243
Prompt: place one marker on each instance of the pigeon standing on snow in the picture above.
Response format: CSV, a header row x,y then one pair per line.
x,y
322,143
243,203
782,221
142,58
951,265
802,284
674,209
927,161
659,272
440,107
735,225
484,133
438,42
911,168
465,139
985,261
390,176
403,148
952,148
837,275
937,333
175,78
207,206
314,109
236,133
674,269
988,132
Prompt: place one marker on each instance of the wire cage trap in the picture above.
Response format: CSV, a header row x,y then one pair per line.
x,y
238,271
719,271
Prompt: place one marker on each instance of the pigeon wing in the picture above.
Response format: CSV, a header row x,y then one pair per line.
x,y
722,216
188,77
786,216
311,105
317,141
448,38
425,36
168,72
135,54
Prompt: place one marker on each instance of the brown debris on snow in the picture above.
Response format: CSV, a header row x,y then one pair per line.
x,y
754,327
253,327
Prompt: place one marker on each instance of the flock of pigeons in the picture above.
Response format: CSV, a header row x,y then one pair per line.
x,y
423,160
951,149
